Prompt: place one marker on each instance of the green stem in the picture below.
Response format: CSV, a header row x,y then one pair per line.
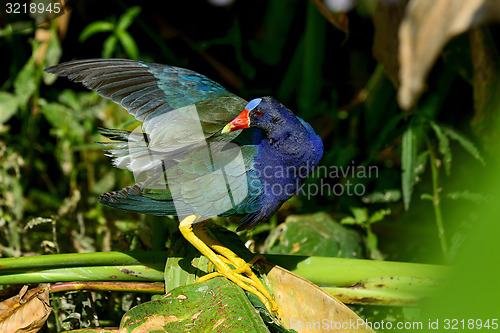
x,y
56,306
143,287
436,200
351,280
341,272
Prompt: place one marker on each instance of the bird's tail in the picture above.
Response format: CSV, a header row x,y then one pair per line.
x,y
133,199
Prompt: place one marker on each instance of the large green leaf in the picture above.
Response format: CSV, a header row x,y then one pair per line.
x,y
315,234
216,305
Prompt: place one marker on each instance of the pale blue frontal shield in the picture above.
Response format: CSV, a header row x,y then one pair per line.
x,y
205,180
253,103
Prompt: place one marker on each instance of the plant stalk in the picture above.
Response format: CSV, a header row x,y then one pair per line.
x,y
436,200
350,280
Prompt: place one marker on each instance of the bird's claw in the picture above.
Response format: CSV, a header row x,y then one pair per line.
x,y
242,274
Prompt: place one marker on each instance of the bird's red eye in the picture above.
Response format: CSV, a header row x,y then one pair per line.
x,y
259,113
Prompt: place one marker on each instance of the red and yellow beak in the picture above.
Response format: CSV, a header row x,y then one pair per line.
x,y
240,122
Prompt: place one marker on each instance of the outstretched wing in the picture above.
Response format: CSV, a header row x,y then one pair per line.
x,y
179,108
148,90
182,112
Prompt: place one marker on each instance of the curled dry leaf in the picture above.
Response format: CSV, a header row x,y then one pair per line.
x,y
386,20
303,304
25,312
425,29
486,83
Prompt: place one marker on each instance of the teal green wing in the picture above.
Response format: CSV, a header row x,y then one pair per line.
x,y
148,90
178,155
224,183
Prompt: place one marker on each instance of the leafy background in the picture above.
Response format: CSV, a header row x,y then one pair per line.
x,y
434,160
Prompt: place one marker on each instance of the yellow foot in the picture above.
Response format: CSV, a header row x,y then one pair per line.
x,y
242,275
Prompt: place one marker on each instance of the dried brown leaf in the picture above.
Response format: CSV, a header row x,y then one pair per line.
x,y
386,20
425,29
63,21
338,19
486,83
25,312
97,330
303,303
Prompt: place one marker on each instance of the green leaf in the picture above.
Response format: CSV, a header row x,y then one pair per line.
x,y
128,44
8,106
216,305
63,119
318,235
69,98
465,143
94,28
105,183
392,195
348,220
273,324
361,217
427,196
186,256
379,215
444,147
126,19
6,31
310,84
467,195
372,245
277,24
409,164
54,52
24,85
109,46
421,164
360,214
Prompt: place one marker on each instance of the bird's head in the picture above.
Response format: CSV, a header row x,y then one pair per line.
x,y
265,113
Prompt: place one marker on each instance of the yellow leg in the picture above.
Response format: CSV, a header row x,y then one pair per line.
x,y
186,228
227,261
241,265
207,245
